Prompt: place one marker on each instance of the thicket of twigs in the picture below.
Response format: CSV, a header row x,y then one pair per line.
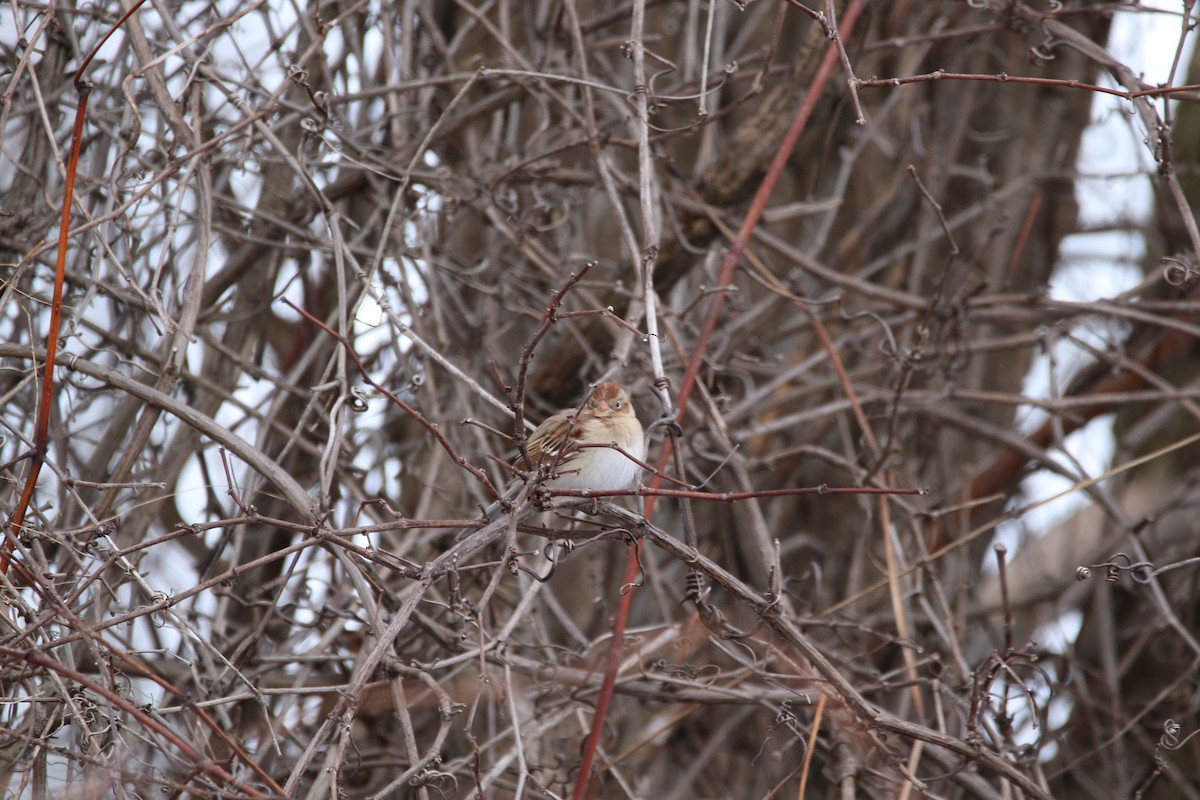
x,y
239,572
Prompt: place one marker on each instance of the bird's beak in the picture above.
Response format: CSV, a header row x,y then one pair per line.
x,y
602,405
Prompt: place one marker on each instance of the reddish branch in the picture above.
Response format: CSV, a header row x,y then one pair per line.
x,y
41,436
728,266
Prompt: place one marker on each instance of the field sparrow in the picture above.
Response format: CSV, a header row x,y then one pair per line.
x,y
580,439
580,443
607,417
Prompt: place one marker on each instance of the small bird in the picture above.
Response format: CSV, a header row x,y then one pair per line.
x,y
580,443
575,444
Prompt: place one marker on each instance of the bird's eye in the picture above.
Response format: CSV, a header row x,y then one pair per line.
x,y
591,404
617,405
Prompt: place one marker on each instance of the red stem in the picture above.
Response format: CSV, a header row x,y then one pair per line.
x,y
728,267
41,436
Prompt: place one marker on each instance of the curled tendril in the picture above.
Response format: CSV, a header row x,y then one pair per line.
x,y
640,581
1140,571
1042,52
784,714
1170,738
1179,272
427,777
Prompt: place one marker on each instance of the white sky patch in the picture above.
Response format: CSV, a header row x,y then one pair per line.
x,y
372,53
1115,190
368,319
